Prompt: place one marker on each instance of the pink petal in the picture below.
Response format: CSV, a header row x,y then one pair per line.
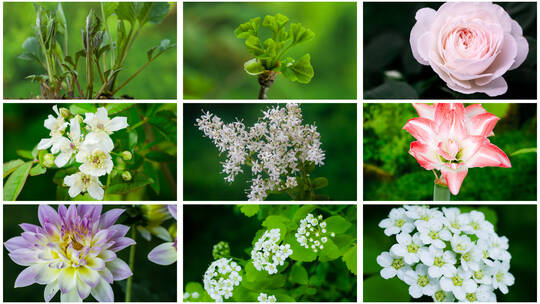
x,y
454,178
502,62
451,121
473,110
421,129
424,18
424,155
482,125
495,88
489,155
521,43
424,110
471,145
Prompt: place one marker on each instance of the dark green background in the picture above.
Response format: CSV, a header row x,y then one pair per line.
x,y
157,81
516,222
23,129
391,173
387,28
214,58
203,179
151,282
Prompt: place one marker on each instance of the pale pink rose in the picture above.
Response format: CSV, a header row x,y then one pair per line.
x,y
470,45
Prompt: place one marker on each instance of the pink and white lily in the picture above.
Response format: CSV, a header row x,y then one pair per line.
x,y
453,138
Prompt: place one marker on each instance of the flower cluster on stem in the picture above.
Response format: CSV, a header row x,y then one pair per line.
x,y
220,279
312,233
267,254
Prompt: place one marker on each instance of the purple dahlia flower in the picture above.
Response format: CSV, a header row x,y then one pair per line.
x,y
74,251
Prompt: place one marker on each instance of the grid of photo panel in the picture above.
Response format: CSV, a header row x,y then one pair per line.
x,y
224,151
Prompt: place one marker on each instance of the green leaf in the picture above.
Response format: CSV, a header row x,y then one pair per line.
x,y
524,151
330,251
298,274
132,139
377,289
115,108
32,50
38,170
139,181
249,210
250,28
16,181
302,69
109,8
253,67
349,258
300,253
158,156
300,34
254,45
302,212
165,126
497,109
126,11
82,108
10,166
151,172
25,154
277,221
143,9
158,12
392,90
270,22
337,224
257,280
319,183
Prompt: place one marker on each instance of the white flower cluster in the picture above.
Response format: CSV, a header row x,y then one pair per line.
x,y
266,298
267,254
276,148
92,150
220,279
312,233
447,255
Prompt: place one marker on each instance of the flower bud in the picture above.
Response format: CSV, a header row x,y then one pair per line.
x,y
221,250
120,164
79,118
64,112
126,155
48,160
126,176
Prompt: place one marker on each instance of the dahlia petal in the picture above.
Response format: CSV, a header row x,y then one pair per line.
x,y
118,231
107,255
107,275
421,129
71,212
47,275
164,254
27,277
489,155
423,155
119,269
110,217
482,124
71,296
17,242
46,214
30,227
454,178
24,256
161,233
95,263
89,211
103,292
50,291
67,279
144,233
122,243
89,276
83,289
62,211
173,210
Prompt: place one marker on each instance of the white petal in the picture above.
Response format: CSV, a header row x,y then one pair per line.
x,y
103,292
45,143
62,159
50,291
117,123
71,296
388,272
164,254
95,191
415,291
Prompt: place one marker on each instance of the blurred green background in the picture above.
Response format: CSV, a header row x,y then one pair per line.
x,y
157,81
335,122
516,222
23,129
227,223
391,173
151,282
387,28
214,58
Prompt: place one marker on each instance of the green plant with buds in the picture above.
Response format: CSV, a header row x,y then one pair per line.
x,y
270,55
105,55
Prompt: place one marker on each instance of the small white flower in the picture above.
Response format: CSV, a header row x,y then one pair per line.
x,y
407,247
397,222
472,259
79,183
101,126
265,298
440,262
478,225
454,219
56,126
432,232
69,146
392,265
443,296
461,244
95,161
501,277
267,254
419,282
458,282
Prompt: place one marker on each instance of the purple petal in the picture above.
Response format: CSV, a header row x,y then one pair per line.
x,y
71,212
24,256
62,211
17,243
118,231
109,217
47,214
173,210
121,243
30,228
30,237
90,211
164,254
106,275
27,276
119,269
103,292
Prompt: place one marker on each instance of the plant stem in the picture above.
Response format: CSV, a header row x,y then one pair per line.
x,y
130,78
140,123
266,79
441,192
129,282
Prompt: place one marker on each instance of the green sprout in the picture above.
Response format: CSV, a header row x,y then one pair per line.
x,y
270,56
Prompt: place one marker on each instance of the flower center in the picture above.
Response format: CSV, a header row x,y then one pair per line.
x,y
412,248
98,159
440,296
100,126
455,225
475,225
399,223
397,263
499,276
467,256
478,274
433,235
471,297
423,280
450,151
457,281
438,261
460,247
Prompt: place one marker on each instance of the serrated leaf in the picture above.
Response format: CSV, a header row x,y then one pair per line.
x,y
319,183
254,45
253,67
300,34
302,212
302,69
82,108
250,28
330,251
349,257
257,280
115,108
337,224
126,11
136,183
16,181
38,169
300,253
249,210
109,8
165,126
11,166
158,12
298,274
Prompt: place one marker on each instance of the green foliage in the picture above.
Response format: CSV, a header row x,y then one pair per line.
x,y
105,56
270,55
16,181
306,273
